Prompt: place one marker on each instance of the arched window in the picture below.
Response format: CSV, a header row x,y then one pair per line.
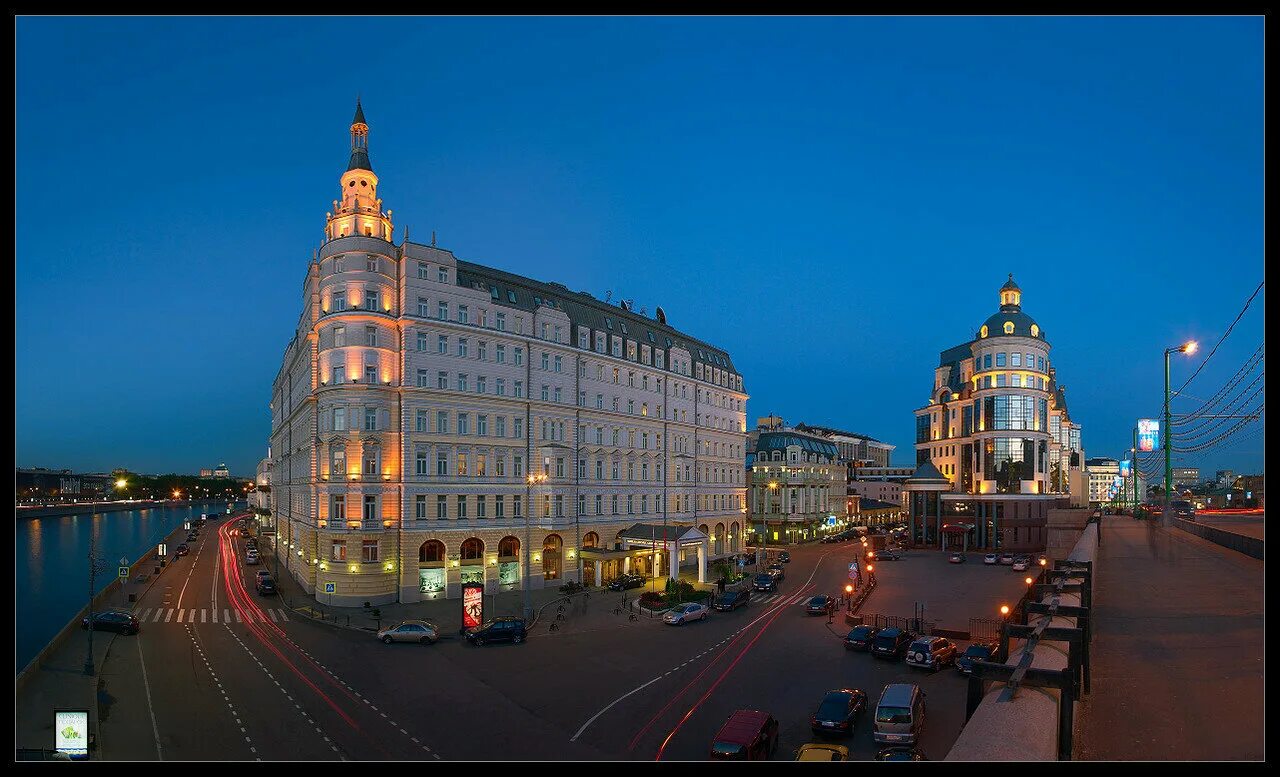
x,y
984,330
719,539
734,537
591,540
431,551
472,549
508,547
1035,330
551,546
1008,327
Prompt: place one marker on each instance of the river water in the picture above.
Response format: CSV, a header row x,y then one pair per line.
x,y
51,559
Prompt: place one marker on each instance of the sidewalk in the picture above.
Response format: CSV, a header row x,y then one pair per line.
x,y
1177,649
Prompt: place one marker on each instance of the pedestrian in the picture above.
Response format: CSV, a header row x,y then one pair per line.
x,y
720,586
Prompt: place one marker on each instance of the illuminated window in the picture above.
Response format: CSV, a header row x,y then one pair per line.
x,y
984,330
1035,331
1008,327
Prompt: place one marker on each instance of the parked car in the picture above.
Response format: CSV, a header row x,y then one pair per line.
x,y
838,712
978,651
251,556
261,573
991,558
900,754
784,557
181,550
888,554
748,735
777,571
822,751
422,632
1006,559
956,558
899,714
1021,565
860,637
931,653
891,643
764,582
118,621
1183,509
732,600
686,613
626,582
817,605
505,629
266,586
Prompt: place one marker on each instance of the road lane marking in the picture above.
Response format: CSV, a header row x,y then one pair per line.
x,y
574,738
284,615
155,730
238,620
272,613
159,612
168,614
203,615
226,615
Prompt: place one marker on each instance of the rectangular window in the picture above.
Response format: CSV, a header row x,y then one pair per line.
x,y
371,373
422,307
420,507
462,346
422,271
482,350
559,363
340,299
339,336
519,388
519,356
518,465
339,374
480,385
442,463
500,387
498,507
370,508
442,311
502,322
546,360
420,419
338,550
560,467
422,341
555,394
442,380
371,300
420,464
482,462
1000,359
480,507
462,463
442,344
501,355
442,422
443,276
517,428
442,508
371,336
482,425
462,508
463,315
462,381
545,392
501,429
463,425
339,419
370,419
424,379
986,361
1015,360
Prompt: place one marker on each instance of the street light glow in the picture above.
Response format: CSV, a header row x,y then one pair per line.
x,y
1004,609
1190,347
121,483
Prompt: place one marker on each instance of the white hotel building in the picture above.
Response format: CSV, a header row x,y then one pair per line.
x,y
421,392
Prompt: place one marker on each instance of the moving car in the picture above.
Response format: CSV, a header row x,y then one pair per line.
x,y
956,558
505,629
685,613
118,621
626,582
748,735
1182,509
266,586
931,653
991,558
261,573
181,550
764,582
900,754
838,712
784,557
1021,565
1006,559
860,637
822,751
817,605
422,632
732,600
899,714
776,570
891,643
888,554
251,556
978,651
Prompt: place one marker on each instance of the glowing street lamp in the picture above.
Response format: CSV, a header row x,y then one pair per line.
x,y
1188,348
1004,611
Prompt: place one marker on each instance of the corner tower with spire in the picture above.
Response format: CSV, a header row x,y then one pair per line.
x,y
359,212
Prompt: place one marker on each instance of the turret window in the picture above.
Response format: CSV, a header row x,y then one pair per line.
x,y
984,330
1008,327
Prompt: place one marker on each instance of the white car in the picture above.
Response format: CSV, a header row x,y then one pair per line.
x,y
251,557
990,558
684,613
1021,565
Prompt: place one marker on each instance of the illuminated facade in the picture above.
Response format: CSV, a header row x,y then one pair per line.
x,y
796,481
421,392
997,430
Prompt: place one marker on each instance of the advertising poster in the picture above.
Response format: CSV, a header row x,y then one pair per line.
x,y
473,574
508,572
1125,466
430,581
71,732
1148,435
472,605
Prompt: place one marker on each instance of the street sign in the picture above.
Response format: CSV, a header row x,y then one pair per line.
x,y
330,587
186,525
124,573
162,550
124,562
853,574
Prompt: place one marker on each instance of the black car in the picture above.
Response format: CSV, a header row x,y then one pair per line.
x,y
817,605
776,570
839,712
113,620
891,643
266,586
498,630
181,550
978,651
732,600
784,557
626,582
764,582
900,754
860,637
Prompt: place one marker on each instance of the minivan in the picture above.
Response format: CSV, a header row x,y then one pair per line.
x,y
748,735
899,714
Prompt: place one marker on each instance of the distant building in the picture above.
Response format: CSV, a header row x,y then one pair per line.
x,y
38,485
795,482
1102,475
1224,477
881,483
1186,476
206,473
873,512
854,448
222,471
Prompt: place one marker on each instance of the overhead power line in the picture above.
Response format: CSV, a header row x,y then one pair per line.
x,y
1253,361
1224,337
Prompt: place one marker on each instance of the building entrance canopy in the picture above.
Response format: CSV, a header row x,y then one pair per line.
x,y
669,540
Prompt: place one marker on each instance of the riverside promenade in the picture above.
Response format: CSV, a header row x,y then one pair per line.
x,y
1177,651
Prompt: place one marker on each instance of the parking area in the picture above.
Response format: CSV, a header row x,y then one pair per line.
x,y
951,593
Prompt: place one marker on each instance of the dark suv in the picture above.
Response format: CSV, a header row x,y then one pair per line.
x,y
625,582
266,586
732,600
1183,509
861,637
765,582
891,643
498,630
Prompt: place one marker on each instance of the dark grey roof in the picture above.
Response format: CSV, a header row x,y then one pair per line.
x,y
359,119
777,441
927,472
877,504
649,531
1010,285
1100,461
1021,324
359,160
584,310
823,430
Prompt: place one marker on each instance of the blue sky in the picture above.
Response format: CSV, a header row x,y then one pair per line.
x,y
833,201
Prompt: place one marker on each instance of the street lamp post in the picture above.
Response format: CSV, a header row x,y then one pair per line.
x,y
1188,347
764,533
528,540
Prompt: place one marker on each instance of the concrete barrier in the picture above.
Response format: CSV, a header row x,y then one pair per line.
x,y
1250,546
1026,727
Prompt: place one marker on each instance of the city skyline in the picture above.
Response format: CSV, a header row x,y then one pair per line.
x,y
826,213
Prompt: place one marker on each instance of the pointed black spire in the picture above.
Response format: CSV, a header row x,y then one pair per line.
x,y
359,141
359,119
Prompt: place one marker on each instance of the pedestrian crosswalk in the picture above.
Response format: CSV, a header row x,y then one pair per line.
x,y
772,598
224,615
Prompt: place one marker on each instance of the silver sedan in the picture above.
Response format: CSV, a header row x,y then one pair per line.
x,y
410,631
685,613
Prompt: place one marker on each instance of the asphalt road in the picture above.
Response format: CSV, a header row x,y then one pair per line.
x,y
272,685
1249,525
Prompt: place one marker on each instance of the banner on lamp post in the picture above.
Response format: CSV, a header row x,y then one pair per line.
x,y
1148,435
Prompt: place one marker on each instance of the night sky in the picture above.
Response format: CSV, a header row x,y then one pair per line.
x,y
832,201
